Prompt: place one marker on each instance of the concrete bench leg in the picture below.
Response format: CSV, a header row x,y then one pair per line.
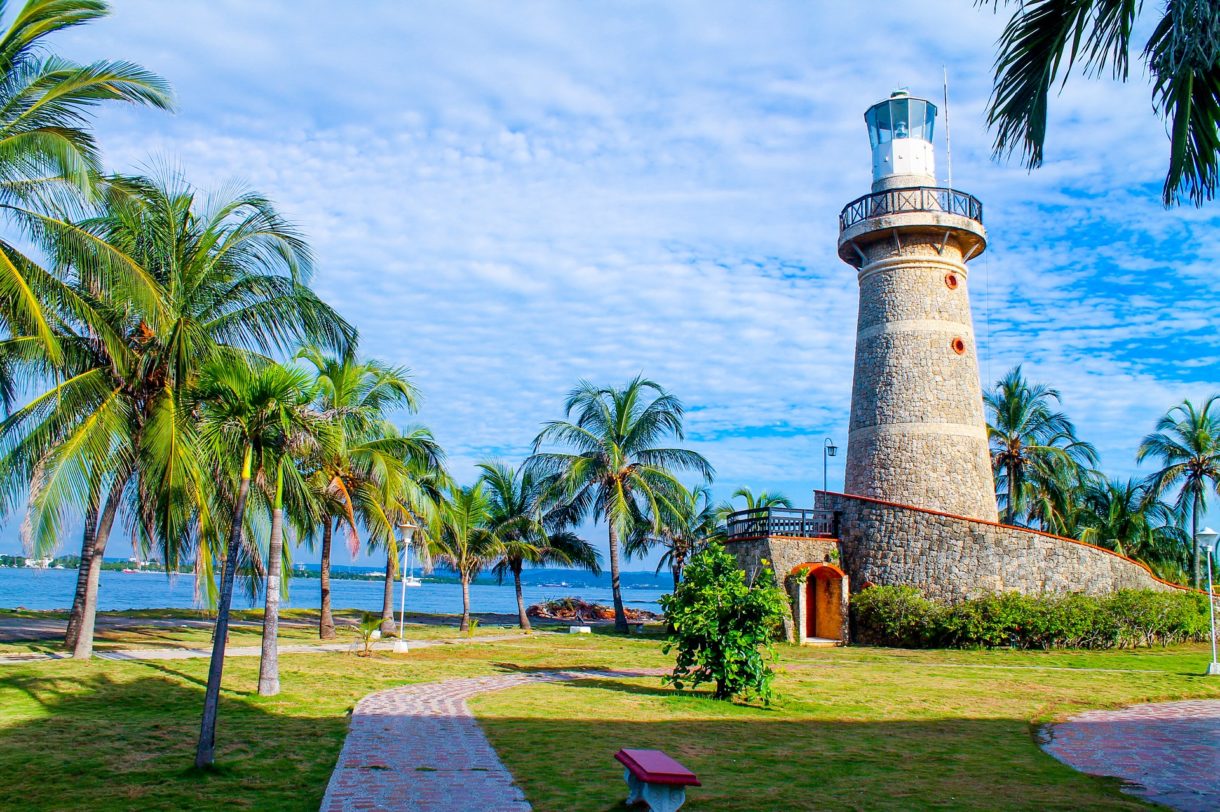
x,y
659,797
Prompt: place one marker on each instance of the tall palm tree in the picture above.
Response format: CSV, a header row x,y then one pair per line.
x,y
1057,491
688,520
1187,445
1026,432
1046,39
245,414
463,537
616,471
531,528
49,163
112,429
375,465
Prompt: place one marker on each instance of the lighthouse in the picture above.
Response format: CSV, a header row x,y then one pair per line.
x,y
917,432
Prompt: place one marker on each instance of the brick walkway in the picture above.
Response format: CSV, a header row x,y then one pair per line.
x,y
1169,752
419,747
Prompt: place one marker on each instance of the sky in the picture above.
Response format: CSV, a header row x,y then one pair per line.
x,y
510,197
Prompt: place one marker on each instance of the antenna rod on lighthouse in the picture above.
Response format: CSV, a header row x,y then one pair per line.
x,y
948,141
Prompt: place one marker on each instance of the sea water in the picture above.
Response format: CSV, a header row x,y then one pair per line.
x,y
30,588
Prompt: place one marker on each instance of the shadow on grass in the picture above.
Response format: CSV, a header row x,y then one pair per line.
x,y
101,744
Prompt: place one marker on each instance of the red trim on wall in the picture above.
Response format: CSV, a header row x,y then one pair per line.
x,y
814,566
931,512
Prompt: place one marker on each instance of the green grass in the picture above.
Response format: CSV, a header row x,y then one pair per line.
x,y
854,728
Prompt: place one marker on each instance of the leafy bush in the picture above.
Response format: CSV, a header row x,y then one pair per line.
x,y
722,627
901,616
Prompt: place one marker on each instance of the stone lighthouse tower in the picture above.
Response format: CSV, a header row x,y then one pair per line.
x,y
917,434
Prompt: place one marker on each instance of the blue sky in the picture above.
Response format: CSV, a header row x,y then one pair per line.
x,y
510,197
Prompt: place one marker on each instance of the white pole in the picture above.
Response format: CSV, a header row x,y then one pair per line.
x,y
948,142
1214,669
400,645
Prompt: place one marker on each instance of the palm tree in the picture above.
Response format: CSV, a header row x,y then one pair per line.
x,y
1122,517
1026,433
1045,37
688,520
112,429
246,414
463,537
1187,445
530,527
616,471
49,163
764,499
1057,491
371,458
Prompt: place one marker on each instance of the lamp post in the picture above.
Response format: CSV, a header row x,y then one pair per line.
x,y
829,449
1206,539
408,532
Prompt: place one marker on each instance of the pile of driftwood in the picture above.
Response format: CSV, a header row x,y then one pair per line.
x,y
576,609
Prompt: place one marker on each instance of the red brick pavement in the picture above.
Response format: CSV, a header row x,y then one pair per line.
x,y
418,747
1168,752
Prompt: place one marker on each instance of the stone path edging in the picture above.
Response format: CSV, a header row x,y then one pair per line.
x,y
419,747
1168,751
248,651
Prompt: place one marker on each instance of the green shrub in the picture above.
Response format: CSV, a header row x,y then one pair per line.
x,y
901,616
722,627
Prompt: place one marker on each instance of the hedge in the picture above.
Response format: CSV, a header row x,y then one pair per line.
x,y
901,616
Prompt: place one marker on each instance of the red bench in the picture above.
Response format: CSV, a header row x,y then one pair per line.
x,y
656,779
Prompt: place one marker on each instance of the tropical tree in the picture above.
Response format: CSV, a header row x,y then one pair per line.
x,y
375,467
1026,434
615,469
463,537
1186,443
112,429
49,165
1045,39
531,527
1121,516
247,414
764,499
687,521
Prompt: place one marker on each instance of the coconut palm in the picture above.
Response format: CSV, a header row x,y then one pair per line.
x,y
462,536
531,527
1121,516
616,471
1187,445
764,499
1045,39
112,430
1026,433
247,415
49,163
687,521
1056,494
375,465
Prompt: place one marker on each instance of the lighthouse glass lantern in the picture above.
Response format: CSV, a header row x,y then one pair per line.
x,y
900,131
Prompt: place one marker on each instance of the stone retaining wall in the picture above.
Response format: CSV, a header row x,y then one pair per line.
x,y
785,553
950,558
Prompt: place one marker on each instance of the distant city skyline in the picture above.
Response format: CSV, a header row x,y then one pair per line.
x,y
510,198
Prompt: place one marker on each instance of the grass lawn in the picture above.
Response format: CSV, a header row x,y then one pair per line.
x,y
854,728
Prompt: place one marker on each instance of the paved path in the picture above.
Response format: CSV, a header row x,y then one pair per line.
x,y
1169,752
245,651
419,747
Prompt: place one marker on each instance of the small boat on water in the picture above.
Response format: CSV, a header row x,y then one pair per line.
x,y
411,580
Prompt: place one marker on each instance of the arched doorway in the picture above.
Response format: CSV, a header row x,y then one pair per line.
x,y
822,603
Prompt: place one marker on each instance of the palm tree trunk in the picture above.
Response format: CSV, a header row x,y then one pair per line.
x,y
269,661
326,621
82,575
83,647
522,618
205,752
465,626
1194,541
1012,493
387,597
620,616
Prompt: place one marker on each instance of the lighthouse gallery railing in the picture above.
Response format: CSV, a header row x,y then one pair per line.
x,y
781,521
918,198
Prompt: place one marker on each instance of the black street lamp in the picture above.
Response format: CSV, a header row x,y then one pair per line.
x,y
829,449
